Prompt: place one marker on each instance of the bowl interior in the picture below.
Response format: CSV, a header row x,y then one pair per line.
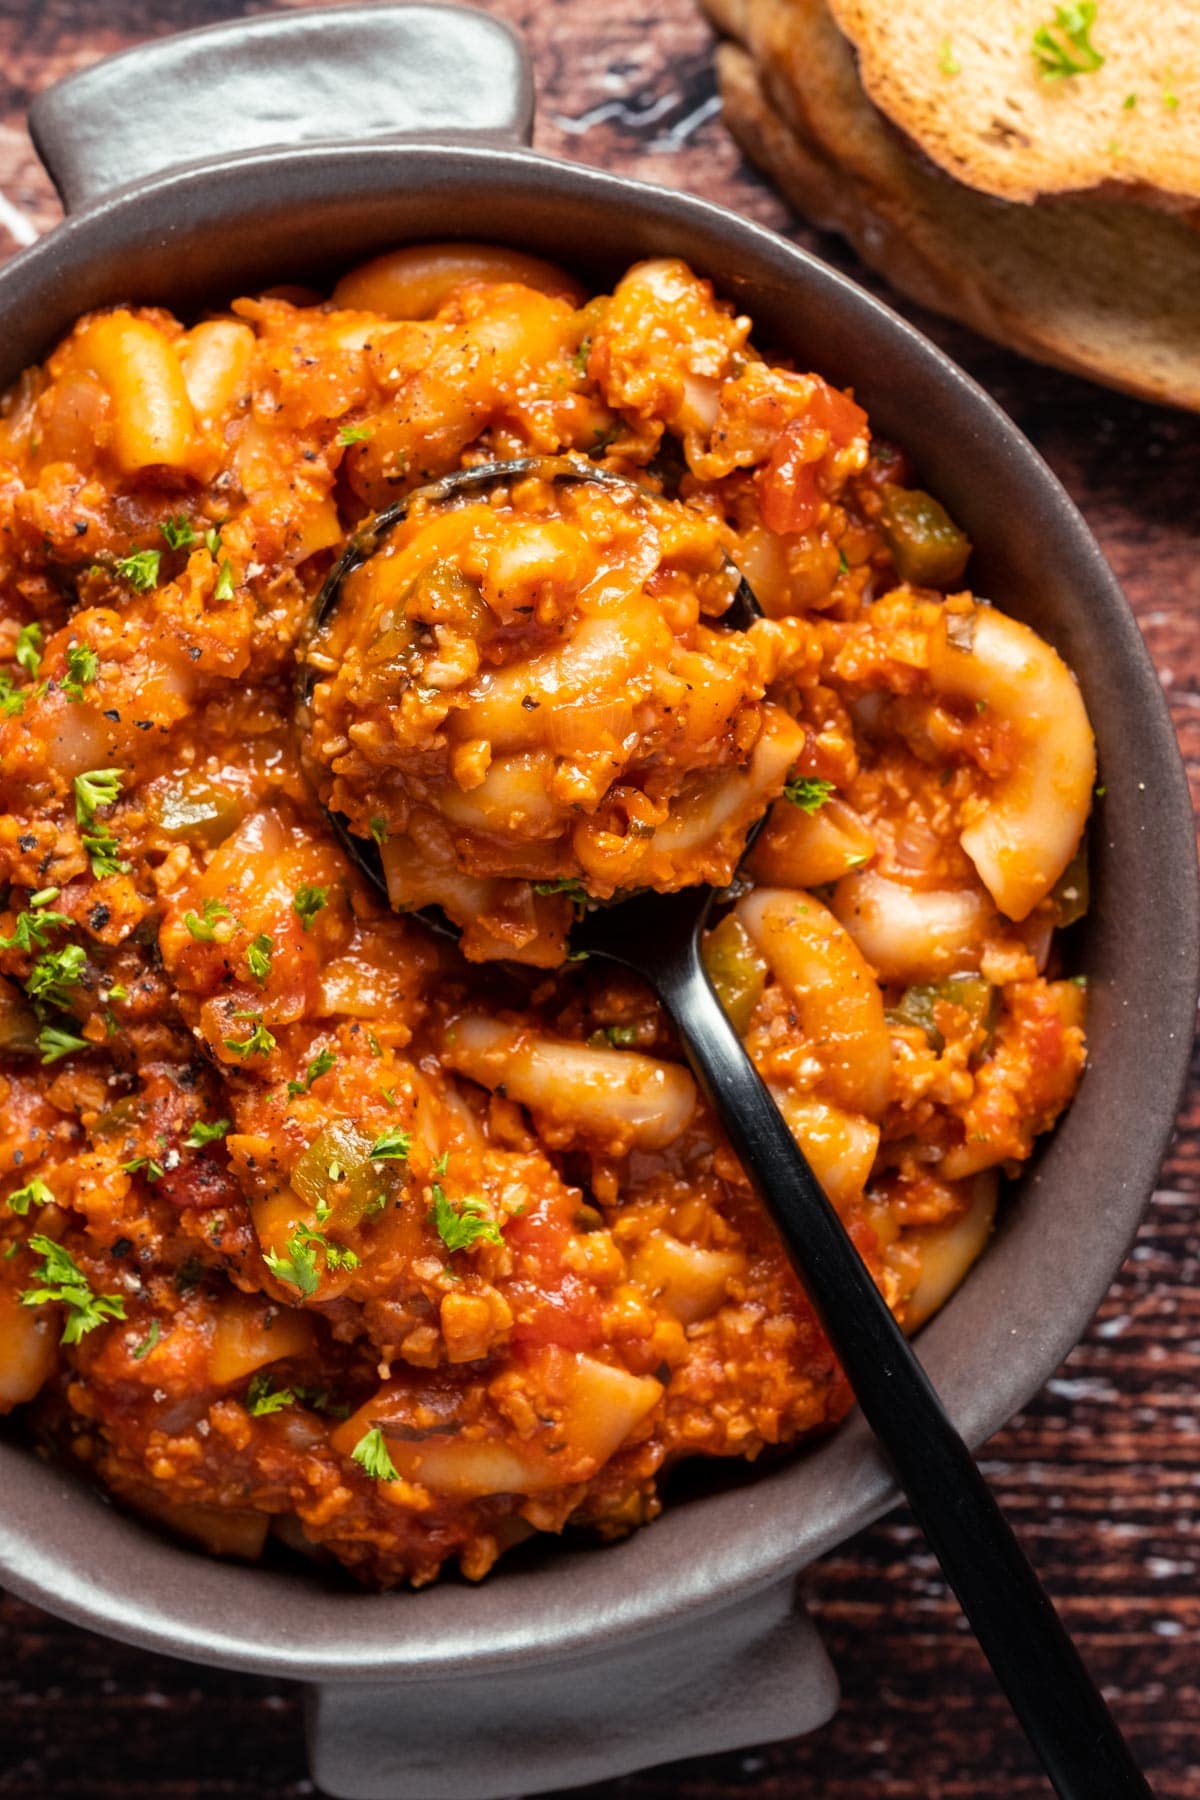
x,y
200,235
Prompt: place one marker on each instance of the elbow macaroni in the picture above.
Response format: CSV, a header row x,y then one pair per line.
x,y
315,1227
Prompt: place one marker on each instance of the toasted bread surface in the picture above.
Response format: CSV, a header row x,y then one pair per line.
x,y
971,88
1095,287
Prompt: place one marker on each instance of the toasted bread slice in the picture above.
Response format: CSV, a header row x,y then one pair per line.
x,y
966,85
1095,287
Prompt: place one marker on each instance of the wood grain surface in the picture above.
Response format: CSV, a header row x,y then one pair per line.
x,y
1102,1474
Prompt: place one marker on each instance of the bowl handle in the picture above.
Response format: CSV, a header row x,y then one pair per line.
x,y
749,1674
340,73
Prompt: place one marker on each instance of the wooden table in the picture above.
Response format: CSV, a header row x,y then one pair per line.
x,y
1102,1473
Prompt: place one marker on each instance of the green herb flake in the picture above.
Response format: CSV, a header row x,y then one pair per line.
x,y
149,1165
460,1229
202,1133
307,902
371,1455
12,699
178,532
948,63
621,1036
82,664
148,1342
353,434
212,541
94,789
207,927
224,588
391,1145
140,569
55,1043
35,1193
259,1043
63,1283
320,1065
378,828
574,890
262,1399
809,792
298,1267
102,850
258,957
55,973
29,649
579,357
1064,47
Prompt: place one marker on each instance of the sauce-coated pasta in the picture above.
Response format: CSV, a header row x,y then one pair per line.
x,y
315,1227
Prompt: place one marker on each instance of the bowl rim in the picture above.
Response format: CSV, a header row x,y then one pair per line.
x,y
745,1540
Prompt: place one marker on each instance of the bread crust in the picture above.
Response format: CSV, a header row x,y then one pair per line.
x,y
1095,287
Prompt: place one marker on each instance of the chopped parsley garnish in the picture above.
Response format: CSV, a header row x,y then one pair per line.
x,y
212,541
948,63
206,927
202,1133
101,849
224,587
65,1284
459,1230
337,1256
259,1043
808,792
94,789
843,565
579,357
308,901
178,532
54,973
371,1455
320,1065
621,1035
378,828
12,699
258,957
152,1168
298,1267
29,649
140,569
393,1144
442,1163
34,1193
82,664
353,434
148,1342
1064,46
574,890
34,925
262,1399
54,1042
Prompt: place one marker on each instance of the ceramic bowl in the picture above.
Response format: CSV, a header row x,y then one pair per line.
x,y
283,149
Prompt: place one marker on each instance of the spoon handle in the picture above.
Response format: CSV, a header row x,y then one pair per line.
x,y
1039,1668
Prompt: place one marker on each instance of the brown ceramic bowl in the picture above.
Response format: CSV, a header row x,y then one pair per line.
x,y
586,1662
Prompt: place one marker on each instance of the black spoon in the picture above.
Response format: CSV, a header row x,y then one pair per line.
x,y
657,936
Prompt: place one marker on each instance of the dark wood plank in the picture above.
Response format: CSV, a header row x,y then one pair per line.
x,y
1101,1474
